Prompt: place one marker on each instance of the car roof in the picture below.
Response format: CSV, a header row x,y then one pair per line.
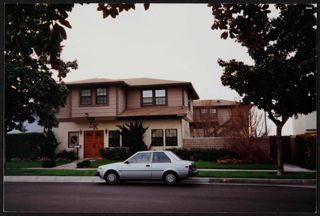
x,y
155,151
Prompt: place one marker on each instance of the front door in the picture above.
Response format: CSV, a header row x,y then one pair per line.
x,y
93,142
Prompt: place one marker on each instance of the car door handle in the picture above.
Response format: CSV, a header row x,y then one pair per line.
x,y
148,165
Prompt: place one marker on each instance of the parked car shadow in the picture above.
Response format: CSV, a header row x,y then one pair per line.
x,y
148,184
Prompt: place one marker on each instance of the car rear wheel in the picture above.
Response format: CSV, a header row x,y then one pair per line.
x,y
111,178
170,178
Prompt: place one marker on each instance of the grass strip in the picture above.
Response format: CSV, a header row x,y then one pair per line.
x,y
248,174
30,172
215,165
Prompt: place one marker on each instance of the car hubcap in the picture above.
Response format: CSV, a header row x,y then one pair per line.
x,y
111,178
170,178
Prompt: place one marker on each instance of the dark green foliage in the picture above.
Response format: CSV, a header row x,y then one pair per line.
x,y
33,36
48,163
282,79
196,154
306,151
30,145
132,136
67,155
117,153
84,164
33,44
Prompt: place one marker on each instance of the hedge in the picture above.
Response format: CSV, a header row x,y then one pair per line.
x,y
115,153
30,145
306,151
196,154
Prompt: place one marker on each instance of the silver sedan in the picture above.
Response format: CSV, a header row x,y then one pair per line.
x,y
148,165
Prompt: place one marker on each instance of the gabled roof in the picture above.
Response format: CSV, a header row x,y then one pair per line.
x,y
136,82
217,102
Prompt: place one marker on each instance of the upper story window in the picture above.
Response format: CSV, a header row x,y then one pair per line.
x,y
208,113
85,96
101,96
154,97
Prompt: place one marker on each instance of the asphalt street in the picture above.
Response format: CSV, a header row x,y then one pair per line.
x,y
155,197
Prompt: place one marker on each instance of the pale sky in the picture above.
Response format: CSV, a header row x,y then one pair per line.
x,y
168,41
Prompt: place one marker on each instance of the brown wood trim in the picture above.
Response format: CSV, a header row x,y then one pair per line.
x,y
117,101
182,89
84,119
70,111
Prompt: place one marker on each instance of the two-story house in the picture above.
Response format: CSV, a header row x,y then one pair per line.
x,y
95,107
214,118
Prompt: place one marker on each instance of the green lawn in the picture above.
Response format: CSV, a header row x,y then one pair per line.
x,y
28,164
31,172
248,174
95,164
215,165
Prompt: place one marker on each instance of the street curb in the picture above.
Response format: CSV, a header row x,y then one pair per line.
x,y
196,180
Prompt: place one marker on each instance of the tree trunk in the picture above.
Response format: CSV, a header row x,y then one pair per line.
x,y
280,169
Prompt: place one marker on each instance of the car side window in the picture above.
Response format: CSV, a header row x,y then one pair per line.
x,y
140,158
160,157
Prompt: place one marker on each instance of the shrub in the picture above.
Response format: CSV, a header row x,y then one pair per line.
x,y
67,155
115,153
132,136
48,163
82,164
204,154
306,151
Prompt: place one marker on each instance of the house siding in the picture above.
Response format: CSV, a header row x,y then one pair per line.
x,y
64,112
94,110
174,96
121,100
133,98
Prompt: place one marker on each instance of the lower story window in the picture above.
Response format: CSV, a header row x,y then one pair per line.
x,y
114,138
171,137
73,139
157,137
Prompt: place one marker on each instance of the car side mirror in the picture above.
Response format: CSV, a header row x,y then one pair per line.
x,y
126,162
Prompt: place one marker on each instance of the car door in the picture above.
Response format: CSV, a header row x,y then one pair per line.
x,y
137,167
160,162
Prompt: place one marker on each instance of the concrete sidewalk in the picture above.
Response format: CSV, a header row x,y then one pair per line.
x,y
195,180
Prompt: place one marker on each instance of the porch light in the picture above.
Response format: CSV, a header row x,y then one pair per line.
x,y
80,131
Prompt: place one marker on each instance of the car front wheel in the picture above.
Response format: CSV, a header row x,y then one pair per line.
x,y
170,179
111,178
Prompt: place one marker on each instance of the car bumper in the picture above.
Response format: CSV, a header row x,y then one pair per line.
x,y
193,173
97,174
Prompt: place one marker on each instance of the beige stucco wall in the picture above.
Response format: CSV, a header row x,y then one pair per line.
x,y
64,127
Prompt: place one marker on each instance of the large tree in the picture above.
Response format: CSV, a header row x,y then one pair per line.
x,y
283,47
33,37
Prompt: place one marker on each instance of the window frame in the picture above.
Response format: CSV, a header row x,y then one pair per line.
x,y
166,137
106,96
152,138
153,97
160,161
75,133
80,98
113,138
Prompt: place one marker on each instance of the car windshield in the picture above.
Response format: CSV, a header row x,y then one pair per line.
x,y
174,155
